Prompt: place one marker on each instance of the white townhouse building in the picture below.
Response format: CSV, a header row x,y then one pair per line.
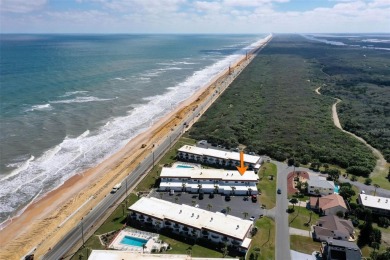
x,y
193,222
196,180
378,205
218,157
322,185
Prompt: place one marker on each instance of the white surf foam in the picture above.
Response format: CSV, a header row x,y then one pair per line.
x,y
40,108
80,100
72,93
74,154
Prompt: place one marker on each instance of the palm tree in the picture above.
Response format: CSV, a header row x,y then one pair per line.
x,y
228,209
376,186
176,199
183,185
216,188
193,202
293,201
249,191
209,206
245,214
199,187
233,189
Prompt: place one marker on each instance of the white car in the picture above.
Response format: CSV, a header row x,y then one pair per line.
x,y
252,218
197,206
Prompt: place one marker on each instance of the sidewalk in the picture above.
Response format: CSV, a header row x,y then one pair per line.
x,y
300,232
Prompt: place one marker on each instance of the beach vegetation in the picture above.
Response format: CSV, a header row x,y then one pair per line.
x,y
272,109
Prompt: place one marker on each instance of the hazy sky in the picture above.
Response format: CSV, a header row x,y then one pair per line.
x,y
190,16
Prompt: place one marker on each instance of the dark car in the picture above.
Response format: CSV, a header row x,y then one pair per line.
x,y
211,195
227,198
223,211
279,191
201,196
254,198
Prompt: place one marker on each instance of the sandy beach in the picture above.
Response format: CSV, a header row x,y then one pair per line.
x,y
47,220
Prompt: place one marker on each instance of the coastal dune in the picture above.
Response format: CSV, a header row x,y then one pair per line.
x,y
47,220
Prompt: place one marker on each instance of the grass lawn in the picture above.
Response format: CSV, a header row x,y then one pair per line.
x,y
170,157
304,244
267,186
179,247
301,216
264,239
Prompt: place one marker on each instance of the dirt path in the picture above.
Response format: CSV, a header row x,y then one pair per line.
x,y
381,163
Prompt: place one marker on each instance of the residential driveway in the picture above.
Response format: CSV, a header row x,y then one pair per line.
x,y
237,204
300,232
295,255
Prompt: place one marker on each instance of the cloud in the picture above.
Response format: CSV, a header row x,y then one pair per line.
x,y
21,6
208,6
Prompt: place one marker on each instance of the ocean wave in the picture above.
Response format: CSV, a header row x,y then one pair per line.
x,y
119,78
376,40
75,154
20,166
80,100
40,108
72,93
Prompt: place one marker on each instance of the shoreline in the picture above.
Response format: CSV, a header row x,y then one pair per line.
x,y
45,221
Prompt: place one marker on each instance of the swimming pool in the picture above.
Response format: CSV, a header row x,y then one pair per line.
x,y
184,166
336,189
133,241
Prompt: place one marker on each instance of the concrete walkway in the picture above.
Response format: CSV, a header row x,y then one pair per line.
x,y
300,232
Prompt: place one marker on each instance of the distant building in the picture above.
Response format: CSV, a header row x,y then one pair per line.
x,y
126,255
198,180
378,205
340,250
193,222
333,227
217,157
328,205
320,186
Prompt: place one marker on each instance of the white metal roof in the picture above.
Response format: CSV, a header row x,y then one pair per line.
x,y
321,183
211,174
227,155
195,217
127,255
375,201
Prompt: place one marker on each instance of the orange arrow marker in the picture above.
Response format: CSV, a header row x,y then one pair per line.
x,y
242,168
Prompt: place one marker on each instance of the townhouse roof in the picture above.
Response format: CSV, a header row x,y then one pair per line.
x,y
195,217
208,174
227,155
327,202
374,201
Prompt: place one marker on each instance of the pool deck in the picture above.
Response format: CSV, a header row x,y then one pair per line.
x,y
152,241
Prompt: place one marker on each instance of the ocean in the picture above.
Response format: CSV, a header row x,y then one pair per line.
x,y
70,101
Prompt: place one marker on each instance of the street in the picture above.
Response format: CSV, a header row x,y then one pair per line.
x,y
282,243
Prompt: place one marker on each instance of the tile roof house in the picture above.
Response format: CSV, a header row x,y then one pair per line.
x,y
333,227
328,205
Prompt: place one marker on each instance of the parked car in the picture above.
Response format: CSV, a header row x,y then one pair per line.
x,y
211,195
223,211
227,198
197,206
279,191
252,218
171,192
254,198
201,196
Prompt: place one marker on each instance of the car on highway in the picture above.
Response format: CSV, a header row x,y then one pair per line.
x,y
116,187
279,191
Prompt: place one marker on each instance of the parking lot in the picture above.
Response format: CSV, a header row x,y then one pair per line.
x,y
238,204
